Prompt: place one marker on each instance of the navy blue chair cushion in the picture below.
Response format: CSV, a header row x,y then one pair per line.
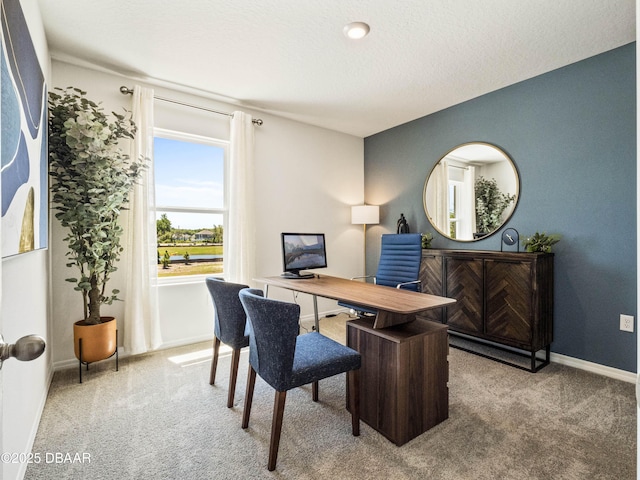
x,y
230,319
319,357
280,356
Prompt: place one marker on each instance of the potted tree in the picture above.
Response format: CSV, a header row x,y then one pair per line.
x,y
91,182
490,205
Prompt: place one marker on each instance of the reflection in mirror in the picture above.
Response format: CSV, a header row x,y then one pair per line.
x,y
471,192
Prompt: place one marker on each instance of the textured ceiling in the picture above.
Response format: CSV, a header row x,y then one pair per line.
x,y
289,57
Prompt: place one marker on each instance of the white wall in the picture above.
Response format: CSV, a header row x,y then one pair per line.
x,y
306,180
25,280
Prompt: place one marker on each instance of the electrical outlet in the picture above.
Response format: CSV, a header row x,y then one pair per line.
x,y
626,323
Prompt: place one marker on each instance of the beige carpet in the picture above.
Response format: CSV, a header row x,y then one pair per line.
x,y
158,417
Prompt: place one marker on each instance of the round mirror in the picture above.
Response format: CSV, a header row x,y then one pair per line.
x,y
471,192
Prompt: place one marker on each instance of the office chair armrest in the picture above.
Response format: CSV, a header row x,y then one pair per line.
x,y
419,282
363,276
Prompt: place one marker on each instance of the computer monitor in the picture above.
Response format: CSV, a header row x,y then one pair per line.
x,y
302,251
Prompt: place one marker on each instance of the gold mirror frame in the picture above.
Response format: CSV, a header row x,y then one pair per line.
x,y
449,196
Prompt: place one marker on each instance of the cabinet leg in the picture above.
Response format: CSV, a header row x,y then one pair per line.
x,y
547,359
533,361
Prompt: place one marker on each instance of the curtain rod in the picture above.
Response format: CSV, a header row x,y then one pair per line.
x,y
459,167
128,91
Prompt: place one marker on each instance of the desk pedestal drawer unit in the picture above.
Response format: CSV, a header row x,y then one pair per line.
x,y
505,298
403,378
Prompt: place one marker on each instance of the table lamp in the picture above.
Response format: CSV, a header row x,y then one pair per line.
x,y
365,215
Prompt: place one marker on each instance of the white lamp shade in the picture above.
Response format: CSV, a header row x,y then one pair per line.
x,y
365,214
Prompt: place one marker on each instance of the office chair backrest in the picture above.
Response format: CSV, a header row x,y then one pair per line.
x,y
229,315
272,343
400,256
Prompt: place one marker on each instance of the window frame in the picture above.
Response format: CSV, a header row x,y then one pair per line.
x,y
224,210
455,187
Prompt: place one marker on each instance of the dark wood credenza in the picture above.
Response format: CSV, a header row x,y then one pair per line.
x,y
505,298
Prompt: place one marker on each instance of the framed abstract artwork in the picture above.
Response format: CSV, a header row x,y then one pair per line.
x,y
23,142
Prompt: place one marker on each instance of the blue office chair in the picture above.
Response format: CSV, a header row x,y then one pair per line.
x,y
399,265
230,327
286,360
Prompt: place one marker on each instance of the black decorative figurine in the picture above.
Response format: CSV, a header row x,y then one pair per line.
x,y
403,226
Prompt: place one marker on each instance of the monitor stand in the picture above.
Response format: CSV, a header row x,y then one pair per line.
x,y
297,275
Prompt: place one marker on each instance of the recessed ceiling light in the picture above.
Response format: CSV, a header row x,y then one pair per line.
x,y
356,30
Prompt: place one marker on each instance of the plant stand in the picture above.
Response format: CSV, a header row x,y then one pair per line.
x,y
80,362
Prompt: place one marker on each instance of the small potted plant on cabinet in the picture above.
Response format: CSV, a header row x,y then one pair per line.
x,y
540,242
91,182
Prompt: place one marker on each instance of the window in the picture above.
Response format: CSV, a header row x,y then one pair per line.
x,y
191,205
461,201
454,214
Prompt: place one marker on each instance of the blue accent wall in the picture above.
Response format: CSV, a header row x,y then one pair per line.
x,y
572,135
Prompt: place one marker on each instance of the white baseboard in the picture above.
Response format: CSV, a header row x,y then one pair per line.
x,y
594,368
187,341
73,362
122,353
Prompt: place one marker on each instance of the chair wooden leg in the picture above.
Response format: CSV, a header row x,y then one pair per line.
x,y
353,378
235,360
248,397
314,391
214,360
276,428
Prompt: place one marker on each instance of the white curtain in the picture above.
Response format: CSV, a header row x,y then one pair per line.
x,y
141,313
239,233
440,196
467,213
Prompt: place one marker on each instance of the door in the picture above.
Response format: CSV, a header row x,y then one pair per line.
x,y
431,280
28,348
464,282
509,310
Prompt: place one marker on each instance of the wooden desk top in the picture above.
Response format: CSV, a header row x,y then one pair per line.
x,y
394,305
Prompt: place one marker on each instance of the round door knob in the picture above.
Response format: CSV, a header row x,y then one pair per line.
x,y
27,348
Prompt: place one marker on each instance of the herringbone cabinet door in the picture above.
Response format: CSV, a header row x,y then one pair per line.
x,y
464,283
431,279
508,287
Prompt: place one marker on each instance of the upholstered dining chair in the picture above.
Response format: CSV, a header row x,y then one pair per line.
x,y
399,265
286,360
230,327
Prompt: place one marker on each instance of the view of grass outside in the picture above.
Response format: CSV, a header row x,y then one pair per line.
x,y
183,251
194,266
